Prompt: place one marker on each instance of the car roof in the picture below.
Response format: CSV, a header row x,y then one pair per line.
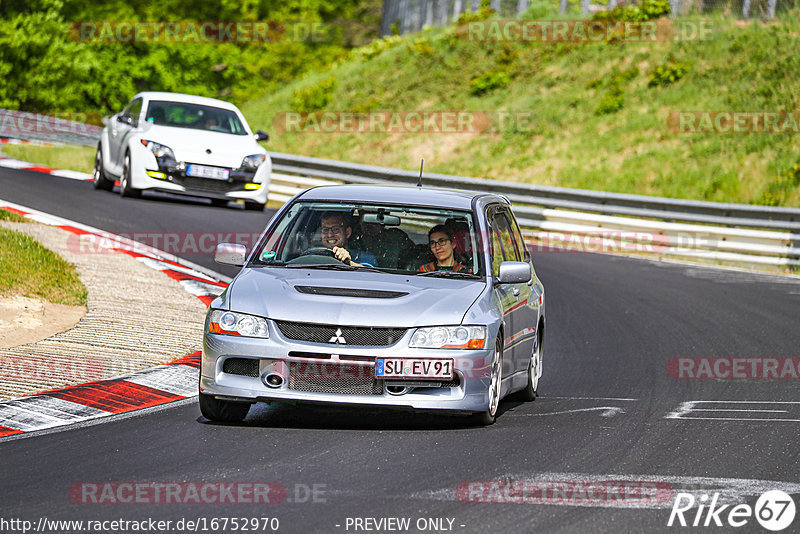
x,y
189,99
397,194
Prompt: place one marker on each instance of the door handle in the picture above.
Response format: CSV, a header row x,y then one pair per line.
x,y
515,292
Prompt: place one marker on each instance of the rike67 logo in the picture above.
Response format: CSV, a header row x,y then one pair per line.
x,y
774,510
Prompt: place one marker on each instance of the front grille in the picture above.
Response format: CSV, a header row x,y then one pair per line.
x,y
454,383
352,335
240,366
348,292
207,185
333,378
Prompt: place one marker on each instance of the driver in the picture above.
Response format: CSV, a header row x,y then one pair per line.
x,y
335,230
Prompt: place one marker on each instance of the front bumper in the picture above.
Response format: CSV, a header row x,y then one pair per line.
x,y
338,363
174,179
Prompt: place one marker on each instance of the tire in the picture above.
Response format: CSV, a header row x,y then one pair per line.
x,y
222,411
534,369
254,206
490,415
99,179
125,189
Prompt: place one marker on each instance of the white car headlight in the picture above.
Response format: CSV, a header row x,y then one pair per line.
x,y
253,161
158,150
237,324
449,337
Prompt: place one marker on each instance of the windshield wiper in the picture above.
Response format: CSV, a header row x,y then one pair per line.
x,y
449,274
277,263
332,267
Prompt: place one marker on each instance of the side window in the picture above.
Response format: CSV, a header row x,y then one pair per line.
x,y
503,248
134,110
510,250
516,233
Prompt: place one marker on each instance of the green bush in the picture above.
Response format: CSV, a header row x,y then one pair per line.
x,y
488,82
612,101
648,10
377,46
668,73
313,98
779,190
484,12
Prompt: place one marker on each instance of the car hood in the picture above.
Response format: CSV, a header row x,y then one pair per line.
x,y
193,146
272,292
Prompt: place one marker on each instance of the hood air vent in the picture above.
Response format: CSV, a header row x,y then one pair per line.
x,y
348,292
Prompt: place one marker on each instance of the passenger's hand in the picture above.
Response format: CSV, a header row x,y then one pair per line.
x,y
342,254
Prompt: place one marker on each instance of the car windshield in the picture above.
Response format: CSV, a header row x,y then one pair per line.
x,y
389,238
195,116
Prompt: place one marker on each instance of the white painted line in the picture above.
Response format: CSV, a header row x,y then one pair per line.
x,y
14,163
590,398
164,266
176,379
199,289
608,411
686,409
72,175
42,411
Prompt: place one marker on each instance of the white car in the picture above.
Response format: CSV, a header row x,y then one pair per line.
x,y
184,144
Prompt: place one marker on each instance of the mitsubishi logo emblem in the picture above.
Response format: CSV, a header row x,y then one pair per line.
x,y
337,337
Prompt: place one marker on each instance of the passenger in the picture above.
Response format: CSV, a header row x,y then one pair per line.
x,y
387,244
440,239
335,231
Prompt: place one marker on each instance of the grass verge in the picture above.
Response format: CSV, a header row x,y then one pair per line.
x,y
29,269
10,216
76,158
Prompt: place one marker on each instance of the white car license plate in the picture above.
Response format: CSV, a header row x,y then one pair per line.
x,y
204,171
414,368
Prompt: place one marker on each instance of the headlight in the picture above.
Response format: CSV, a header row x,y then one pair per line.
x,y
449,337
158,150
237,324
253,161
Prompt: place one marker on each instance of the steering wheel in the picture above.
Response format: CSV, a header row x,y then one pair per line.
x,y
319,251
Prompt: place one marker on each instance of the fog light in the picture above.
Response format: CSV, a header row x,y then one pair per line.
x,y
157,175
251,187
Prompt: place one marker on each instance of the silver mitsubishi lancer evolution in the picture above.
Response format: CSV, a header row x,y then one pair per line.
x,y
378,296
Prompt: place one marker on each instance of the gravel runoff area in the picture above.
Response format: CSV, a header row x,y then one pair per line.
x,y
137,318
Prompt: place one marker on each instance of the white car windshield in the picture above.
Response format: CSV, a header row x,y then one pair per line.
x,y
195,116
390,238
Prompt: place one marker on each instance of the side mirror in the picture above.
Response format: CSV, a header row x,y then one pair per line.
x,y
230,254
514,272
125,119
261,135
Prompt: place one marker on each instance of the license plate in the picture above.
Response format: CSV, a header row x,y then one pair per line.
x,y
204,171
414,368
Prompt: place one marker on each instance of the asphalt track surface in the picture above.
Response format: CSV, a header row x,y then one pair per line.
x,y
613,324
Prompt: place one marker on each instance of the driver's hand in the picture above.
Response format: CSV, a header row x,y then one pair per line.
x,y
342,254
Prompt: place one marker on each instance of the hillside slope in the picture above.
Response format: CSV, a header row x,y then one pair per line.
x,y
599,112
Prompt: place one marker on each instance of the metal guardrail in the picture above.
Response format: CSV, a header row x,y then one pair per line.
x,y
561,218
569,218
